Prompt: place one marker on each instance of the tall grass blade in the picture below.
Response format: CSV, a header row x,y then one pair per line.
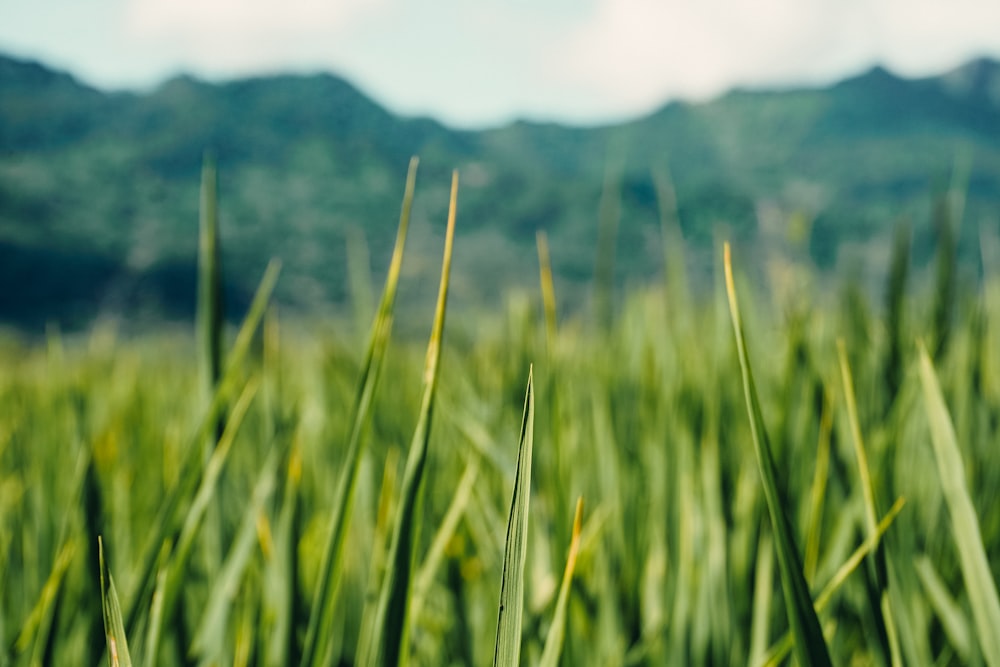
x,y
227,582
323,600
391,630
507,652
557,631
949,612
884,612
784,646
810,647
446,531
37,626
979,583
168,518
114,629
169,588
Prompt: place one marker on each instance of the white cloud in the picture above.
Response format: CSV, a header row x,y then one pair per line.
x,y
635,53
242,35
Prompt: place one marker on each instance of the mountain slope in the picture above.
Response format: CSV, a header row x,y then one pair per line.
x,y
110,180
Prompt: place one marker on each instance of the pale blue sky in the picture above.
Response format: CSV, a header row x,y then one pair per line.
x,y
476,63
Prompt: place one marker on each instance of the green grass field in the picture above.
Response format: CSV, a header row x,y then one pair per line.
x,y
825,489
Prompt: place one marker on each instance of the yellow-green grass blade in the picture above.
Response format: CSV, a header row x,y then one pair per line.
x,y
381,532
167,520
810,647
281,574
783,647
443,536
114,629
176,567
949,612
557,631
762,593
818,490
38,624
391,628
321,614
972,557
227,581
871,507
507,652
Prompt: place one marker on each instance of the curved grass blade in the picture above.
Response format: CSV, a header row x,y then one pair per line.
x,y
449,525
554,642
975,566
169,587
507,652
37,626
227,582
114,629
884,615
953,620
321,614
810,647
390,632
784,646
167,519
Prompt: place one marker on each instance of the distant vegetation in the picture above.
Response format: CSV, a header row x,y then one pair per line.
x,y
764,472
98,190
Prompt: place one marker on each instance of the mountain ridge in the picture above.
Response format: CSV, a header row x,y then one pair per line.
x,y
306,158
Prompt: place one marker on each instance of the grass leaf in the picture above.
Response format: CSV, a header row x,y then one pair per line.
x,y
321,614
507,652
557,631
972,557
390,632
114,628
810,647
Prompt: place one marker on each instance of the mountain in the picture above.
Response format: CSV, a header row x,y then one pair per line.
x,y
99,191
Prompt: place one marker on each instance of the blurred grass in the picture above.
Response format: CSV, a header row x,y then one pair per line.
x,y
643,415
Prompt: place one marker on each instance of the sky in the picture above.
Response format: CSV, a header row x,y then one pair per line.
x,y
481,63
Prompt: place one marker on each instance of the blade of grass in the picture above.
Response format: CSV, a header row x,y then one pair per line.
x,y
36,626
762,592
783,647
391,631
507,652
810,647
818,491
891,637
972,557
557,631
445,533
226,583
949,612
114,629
176,567
324,596
166,522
